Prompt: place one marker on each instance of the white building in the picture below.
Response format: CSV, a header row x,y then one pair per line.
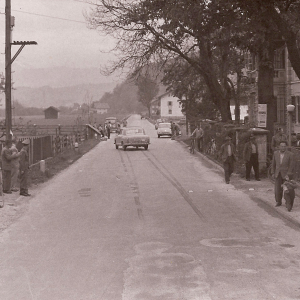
x,y
166,106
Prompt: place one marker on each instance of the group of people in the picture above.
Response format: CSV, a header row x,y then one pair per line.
x,y
104,130
15,164
282,167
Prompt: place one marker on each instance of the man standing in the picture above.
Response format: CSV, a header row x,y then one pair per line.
x,y
24,168
14,165
250,155
282,169
108,130
198,134
7,157
227,154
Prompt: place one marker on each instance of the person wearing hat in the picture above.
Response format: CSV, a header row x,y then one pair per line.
x,y
250,155
24,167
227,154
7,156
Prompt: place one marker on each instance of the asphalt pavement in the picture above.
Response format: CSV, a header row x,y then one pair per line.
x,y
262,192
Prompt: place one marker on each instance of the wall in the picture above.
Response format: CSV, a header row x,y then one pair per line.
x,y
176,108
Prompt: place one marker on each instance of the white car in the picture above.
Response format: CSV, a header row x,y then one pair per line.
x,y
164,129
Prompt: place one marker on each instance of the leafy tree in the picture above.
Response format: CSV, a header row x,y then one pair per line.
x,y
198,32
147,90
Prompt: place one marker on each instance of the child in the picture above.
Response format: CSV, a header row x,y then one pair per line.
x,y
289,193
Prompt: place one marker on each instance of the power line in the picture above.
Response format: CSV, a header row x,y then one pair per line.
x,y
46,16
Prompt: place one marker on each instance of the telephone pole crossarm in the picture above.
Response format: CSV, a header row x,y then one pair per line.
x,y
22,44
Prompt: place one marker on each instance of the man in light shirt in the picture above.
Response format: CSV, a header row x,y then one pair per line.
x,y
282,169
250,155
198,135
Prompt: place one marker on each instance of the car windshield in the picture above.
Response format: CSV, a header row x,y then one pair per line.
x,y
133,131
164,125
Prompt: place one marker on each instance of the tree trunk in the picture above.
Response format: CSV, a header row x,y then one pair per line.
x,y
266,86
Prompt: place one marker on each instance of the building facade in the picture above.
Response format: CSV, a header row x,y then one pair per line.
x,y
166,106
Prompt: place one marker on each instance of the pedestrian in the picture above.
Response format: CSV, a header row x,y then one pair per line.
x,y
24,168
289,193
198,133
227,154
250,155
14,165
282,169
7,157
108,130
277,139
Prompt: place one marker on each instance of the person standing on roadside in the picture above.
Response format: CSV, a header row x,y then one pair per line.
x,y
282,168
198,134
250,155
227,154
24,168
277,139
15,165
7,157
108,130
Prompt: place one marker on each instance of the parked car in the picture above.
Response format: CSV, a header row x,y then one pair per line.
x,y
157,122
132,136
164,129
113,123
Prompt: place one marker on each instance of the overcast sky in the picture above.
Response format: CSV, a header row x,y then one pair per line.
x,y
60,42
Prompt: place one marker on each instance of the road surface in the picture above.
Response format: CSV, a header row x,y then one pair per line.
x,y
144,225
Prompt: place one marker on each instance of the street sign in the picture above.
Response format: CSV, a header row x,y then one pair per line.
x,y
262,115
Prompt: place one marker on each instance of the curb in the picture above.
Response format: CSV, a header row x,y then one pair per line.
x,y
283,214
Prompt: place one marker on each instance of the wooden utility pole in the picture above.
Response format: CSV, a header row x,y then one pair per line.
x,y
8,68
9,23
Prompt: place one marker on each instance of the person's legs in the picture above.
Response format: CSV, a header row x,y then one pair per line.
x,y
248,169
255,165
278,189
7,180
14,176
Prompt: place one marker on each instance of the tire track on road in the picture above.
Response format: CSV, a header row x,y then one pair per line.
x,y
133,183
168,175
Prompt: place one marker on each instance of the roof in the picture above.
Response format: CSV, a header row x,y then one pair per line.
x,y
52,107
100,105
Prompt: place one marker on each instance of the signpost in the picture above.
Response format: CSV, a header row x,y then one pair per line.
x,y
262,115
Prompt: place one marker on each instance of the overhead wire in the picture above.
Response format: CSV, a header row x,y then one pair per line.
x,y
46,16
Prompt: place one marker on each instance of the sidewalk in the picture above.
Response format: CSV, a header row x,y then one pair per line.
x,y
262,192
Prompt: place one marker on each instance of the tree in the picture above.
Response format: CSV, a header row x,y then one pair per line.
x,y
198,32
147,90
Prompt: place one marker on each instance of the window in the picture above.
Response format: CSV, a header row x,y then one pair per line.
x,y
170,111
170,103
279,59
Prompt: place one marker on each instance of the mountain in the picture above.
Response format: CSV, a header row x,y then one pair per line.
x,y
61,96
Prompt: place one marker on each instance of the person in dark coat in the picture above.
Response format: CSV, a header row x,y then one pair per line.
x,y
250,155
108,130
282,168
227,154
7,156
24,168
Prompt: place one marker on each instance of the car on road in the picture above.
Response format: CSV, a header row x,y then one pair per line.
x,y
132,137
157,123
164,129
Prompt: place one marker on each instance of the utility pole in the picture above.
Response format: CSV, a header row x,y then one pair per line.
x,y
8,68
9,23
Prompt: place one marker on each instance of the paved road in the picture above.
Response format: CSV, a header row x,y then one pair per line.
x,y
145,225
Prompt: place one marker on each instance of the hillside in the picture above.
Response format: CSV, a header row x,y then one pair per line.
x,y
62,96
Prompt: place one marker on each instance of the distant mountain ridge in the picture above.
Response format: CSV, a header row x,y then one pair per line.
x,y
61,96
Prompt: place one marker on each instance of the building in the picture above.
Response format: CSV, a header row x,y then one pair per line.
x,y
101,108
166,106
51,113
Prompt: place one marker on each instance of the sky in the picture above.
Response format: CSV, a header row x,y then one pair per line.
x,y
60,29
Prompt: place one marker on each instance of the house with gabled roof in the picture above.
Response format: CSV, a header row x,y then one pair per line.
x,y
101,108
